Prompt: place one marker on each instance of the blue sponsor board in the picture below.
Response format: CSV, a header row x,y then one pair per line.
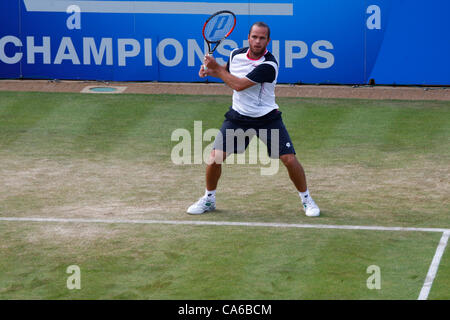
x,y
320,41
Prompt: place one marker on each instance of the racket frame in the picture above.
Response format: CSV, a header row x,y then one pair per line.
x,y
217,43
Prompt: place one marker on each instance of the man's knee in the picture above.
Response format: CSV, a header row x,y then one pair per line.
x,y
216,157
289,159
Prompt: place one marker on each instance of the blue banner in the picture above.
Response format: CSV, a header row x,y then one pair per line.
x,y
315,41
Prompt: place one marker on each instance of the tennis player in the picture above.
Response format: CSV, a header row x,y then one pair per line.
x,y
252,73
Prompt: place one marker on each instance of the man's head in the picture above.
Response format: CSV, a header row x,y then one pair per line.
x,y
261,25
258,38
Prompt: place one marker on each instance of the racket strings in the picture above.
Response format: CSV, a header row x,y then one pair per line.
x,y
218,27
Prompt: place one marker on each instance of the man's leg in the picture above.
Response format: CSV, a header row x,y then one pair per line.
x,y
214,168
279,144
213,172
298,177
295,170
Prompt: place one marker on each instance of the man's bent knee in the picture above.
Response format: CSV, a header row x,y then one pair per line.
x,y
288,159
217,157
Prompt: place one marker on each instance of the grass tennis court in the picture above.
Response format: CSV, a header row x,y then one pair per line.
x,y
368,163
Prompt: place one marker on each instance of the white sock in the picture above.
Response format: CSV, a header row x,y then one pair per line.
x,y
210,193
304,195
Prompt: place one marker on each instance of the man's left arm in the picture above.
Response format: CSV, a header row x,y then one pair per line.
x,y
216,70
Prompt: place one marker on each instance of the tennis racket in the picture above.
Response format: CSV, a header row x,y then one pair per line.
x,y
217,28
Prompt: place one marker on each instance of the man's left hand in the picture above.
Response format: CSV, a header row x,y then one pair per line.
x,y
212,67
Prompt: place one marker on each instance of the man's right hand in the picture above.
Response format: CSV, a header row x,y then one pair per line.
x,y
202,72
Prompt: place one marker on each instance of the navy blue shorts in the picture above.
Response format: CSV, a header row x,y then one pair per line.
x,y
237,131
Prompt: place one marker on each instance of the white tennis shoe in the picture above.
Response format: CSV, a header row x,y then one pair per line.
x,y
204,204
311,208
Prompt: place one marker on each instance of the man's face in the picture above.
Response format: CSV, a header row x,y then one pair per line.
x,y
258,40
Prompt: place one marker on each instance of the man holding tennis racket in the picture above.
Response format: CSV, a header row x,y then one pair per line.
x,y
252,73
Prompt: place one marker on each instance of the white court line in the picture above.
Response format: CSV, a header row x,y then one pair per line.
x,y
225,223
432,271
423,293
161,7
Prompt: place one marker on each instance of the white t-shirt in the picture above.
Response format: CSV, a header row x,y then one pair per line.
x,y
259,99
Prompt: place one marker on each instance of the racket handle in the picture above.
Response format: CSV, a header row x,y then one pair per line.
x,y
204,67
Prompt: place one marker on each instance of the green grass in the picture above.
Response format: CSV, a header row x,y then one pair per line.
x,y
160,262
108,156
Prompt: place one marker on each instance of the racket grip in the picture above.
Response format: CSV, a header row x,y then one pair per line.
x,y
205,67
